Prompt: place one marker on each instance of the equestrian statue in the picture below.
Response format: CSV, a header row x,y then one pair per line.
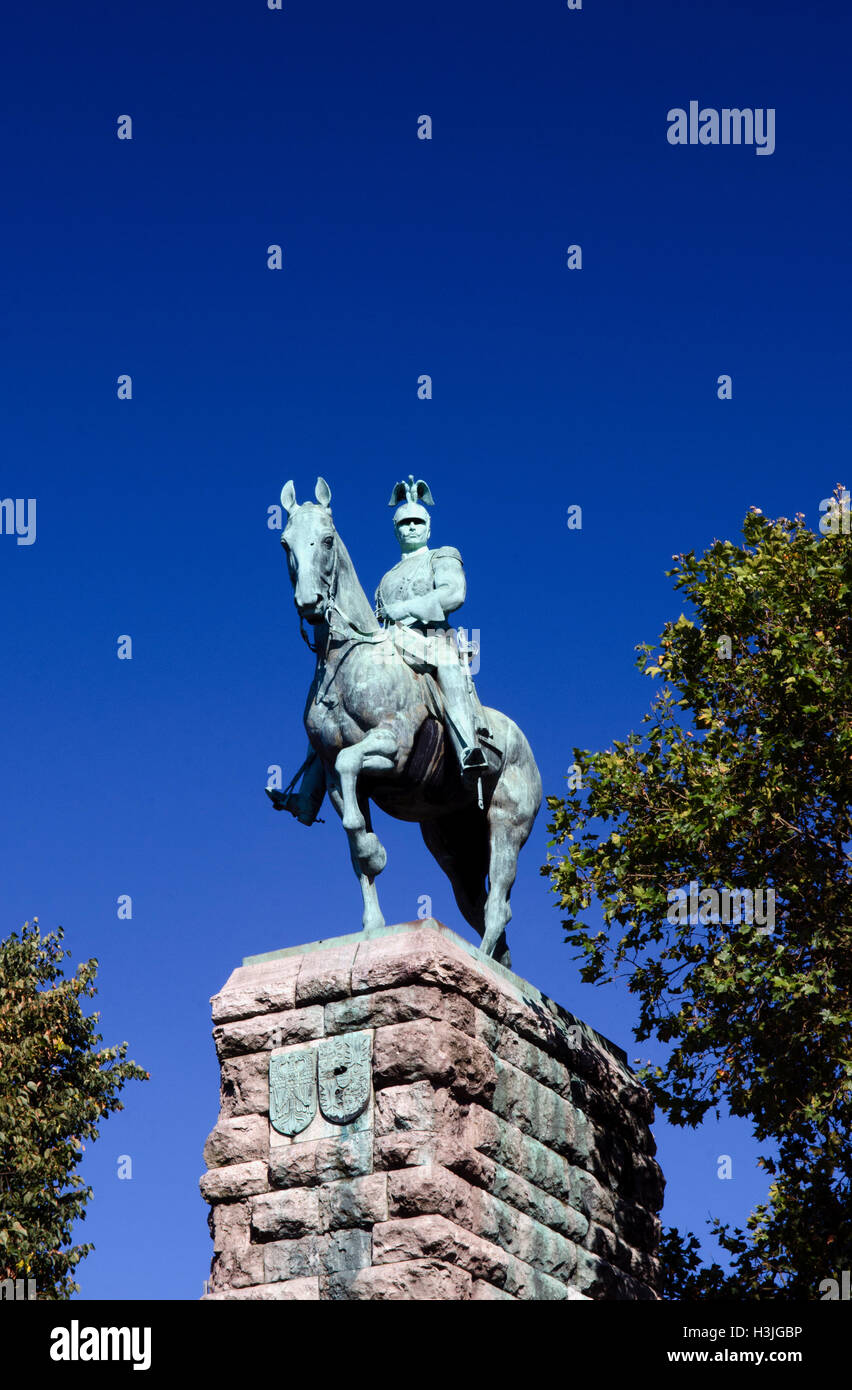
x,y
393,716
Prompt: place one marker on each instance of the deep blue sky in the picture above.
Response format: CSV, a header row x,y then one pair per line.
x,y
551,388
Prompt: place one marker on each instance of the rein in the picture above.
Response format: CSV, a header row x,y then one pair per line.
x,y
355,634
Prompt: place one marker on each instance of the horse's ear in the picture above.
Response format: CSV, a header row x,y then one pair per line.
x,y
288,498
322,492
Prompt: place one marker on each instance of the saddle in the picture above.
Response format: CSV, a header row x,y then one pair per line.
x,y
434,702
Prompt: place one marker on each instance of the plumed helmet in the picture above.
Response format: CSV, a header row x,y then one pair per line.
x,y
408,498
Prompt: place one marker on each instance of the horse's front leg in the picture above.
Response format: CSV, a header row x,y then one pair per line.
x,y
376,752
366,850
365,869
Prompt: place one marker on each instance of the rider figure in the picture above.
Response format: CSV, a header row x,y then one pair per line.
x,y
414,599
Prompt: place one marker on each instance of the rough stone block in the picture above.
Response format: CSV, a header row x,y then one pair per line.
x,y
599,1279
288,1291
229,1225
524,1054
507,1145
541,1206
237,1268
245,1085
605,1243
236,1181
482,1292
388,1006
257,989
321,1160
554,1030
405,1005
290,1259
422,1050
540,1112
242,1139
434,1237
285,1215
525,1283
409,1280
417,1107
268,1031
429,1190
424,957
641,1181
345,1250
640,1228
353,1202
588,1196
435,1190
452,1152
325,975
404,1149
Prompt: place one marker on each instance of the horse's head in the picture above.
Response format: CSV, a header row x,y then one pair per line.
x,y
309,540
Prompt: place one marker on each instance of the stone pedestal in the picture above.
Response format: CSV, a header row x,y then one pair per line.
x,y
500,1148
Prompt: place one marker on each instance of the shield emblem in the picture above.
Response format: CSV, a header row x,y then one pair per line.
x,y
292,1091
344,1069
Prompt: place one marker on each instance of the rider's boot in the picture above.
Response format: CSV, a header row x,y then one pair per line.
x,y
453,683
294,802
305,803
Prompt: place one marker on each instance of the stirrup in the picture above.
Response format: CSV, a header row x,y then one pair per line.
x,y
293,802
473,760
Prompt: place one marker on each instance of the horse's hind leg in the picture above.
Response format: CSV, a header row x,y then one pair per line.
x,y
503,865
514,806
459,843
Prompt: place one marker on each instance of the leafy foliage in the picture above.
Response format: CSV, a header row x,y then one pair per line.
x,y
55,1087
741,779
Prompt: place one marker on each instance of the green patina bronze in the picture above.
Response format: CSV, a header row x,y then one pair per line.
x,y
393,717
292,1091
333,1074
344,1069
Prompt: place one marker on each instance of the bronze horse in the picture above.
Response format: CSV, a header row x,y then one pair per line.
x,y
376,725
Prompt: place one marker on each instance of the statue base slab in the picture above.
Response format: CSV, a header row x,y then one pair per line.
x,y
402,1118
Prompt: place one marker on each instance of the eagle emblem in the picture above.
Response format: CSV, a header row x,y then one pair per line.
x,y
292,1090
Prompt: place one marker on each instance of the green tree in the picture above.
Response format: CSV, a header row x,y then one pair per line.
x,y
741,780
55,1087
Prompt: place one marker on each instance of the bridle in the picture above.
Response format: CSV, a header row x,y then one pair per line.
x,y
353,632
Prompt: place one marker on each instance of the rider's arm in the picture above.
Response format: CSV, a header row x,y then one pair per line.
x,y
450,586
448,593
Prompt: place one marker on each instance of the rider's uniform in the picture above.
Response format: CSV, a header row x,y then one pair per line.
x,y
429,584
424,638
